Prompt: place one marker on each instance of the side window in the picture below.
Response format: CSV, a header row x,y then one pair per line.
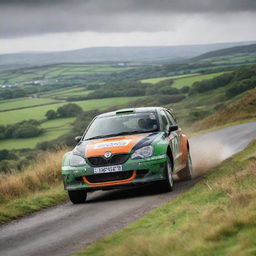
x,y
170,117
165,121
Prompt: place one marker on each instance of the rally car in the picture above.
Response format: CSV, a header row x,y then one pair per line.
x,y
124,148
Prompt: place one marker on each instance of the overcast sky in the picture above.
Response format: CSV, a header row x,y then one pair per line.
x,y
50,25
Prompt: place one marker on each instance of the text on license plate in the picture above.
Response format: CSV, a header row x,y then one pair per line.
x,y
106,169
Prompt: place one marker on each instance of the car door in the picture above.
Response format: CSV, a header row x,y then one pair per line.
x,y
179,155
172,138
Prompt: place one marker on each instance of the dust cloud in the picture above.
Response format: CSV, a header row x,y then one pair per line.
x,y
206,154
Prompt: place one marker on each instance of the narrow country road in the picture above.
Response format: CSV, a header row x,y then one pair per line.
x,y
67,228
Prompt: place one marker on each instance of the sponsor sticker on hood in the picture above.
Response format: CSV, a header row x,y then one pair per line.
x,y
120,143
115,145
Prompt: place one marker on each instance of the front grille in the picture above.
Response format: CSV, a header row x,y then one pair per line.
x,y
102,161
104,177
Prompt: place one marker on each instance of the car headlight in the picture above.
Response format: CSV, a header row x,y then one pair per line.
x,y
76,160
144,152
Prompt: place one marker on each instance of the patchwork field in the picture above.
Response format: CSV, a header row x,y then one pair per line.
x,y
25,102
38,113
239,58
188,81
64,94
159,79
183,80
53,128
59,70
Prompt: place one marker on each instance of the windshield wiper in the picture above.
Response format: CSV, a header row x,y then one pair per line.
x,y
121,133
97,137
133,132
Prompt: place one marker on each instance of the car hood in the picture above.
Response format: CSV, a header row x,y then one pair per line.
x,y
115,145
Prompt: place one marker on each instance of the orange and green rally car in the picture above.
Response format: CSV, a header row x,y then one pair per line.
x,y
125,148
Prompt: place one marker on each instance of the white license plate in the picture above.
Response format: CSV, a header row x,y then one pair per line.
x,y
107,169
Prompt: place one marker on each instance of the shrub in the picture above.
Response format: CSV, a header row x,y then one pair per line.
x,y
166,99
4,154
27,131
211,84
2,132
240,87
51,114
69,110
24,129
185,89
197,114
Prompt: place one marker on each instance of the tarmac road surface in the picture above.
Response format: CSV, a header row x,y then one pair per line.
x,y
67,228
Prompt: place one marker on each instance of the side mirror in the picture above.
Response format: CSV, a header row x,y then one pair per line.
x,y
78,138
173,128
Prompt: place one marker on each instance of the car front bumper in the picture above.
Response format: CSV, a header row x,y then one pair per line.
x,y
134,172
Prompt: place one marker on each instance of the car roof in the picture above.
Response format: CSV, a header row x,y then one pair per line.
x,y
130,110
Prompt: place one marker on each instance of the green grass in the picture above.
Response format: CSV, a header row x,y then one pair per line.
x,y
197,103
35,187
57,70
24,102
243,108
38,113
77,91
183,80
15,208
50,134
53,129
216,217
233,59
59,122
179,83
61,91
159,79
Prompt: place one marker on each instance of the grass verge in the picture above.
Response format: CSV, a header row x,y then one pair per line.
x,y
215,217
33,189
24,205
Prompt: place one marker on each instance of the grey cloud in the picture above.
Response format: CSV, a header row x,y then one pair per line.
x,y
30,17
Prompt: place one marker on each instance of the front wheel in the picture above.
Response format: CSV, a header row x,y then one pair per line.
x,y
77,196
187,172
167,184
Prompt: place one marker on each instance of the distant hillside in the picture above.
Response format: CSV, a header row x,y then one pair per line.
x,y
113,54
247,49
242,109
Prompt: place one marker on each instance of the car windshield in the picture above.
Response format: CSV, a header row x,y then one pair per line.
x,y
122,124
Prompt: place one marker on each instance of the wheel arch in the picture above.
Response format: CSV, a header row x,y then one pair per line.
x,y
169,153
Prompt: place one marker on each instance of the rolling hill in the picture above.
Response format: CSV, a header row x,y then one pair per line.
x,y
247,49
112,54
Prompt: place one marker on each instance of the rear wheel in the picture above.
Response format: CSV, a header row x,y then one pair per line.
x,y
167,184
77,196
187,172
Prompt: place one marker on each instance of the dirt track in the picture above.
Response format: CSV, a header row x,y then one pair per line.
x,y
67,228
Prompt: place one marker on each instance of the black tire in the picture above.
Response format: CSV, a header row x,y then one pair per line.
x,y
77,196
187,172
167,184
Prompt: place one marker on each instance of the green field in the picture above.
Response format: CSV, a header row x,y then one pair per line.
x,y
25,102
183,80
63,94
239,58
188,81
50,72
31,142
59,122
38,113
53,129
159,79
